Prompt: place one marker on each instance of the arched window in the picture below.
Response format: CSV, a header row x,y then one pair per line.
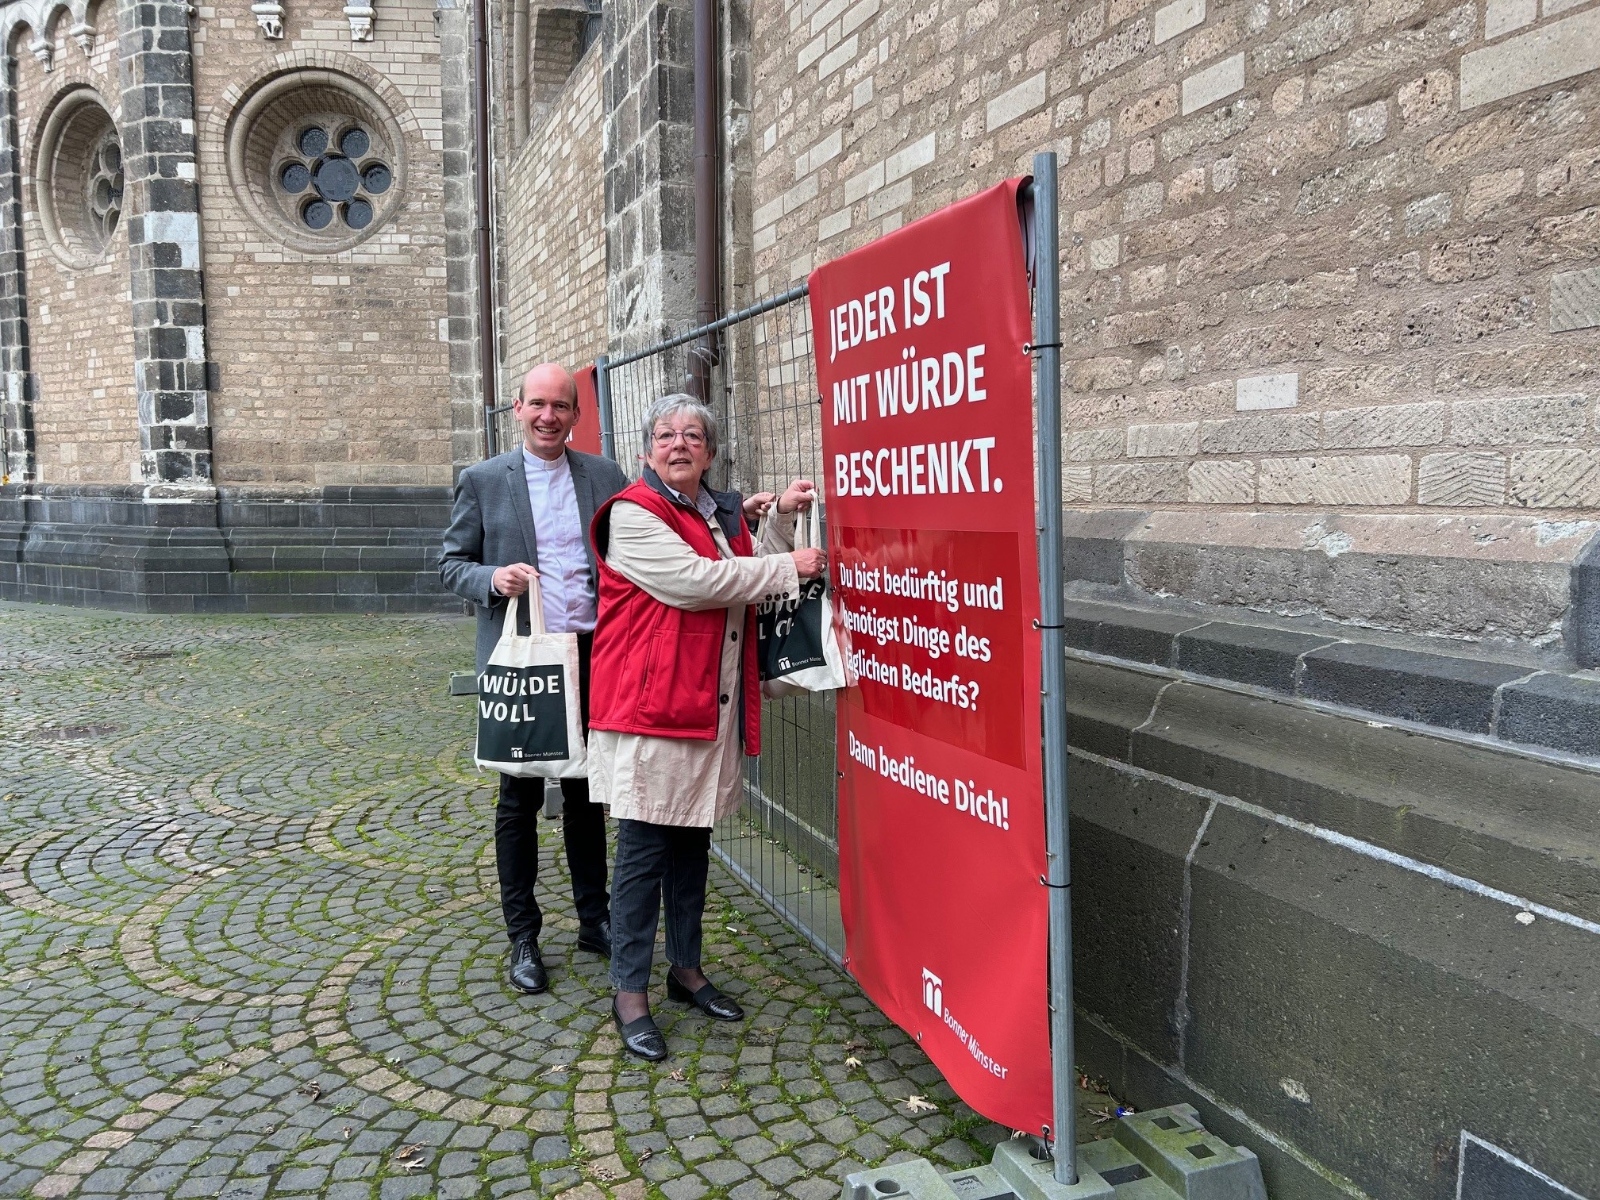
x,y
550,39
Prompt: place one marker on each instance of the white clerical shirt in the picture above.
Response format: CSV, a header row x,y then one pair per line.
x,y
563,563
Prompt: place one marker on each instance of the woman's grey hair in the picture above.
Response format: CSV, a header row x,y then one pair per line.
x,y
668,407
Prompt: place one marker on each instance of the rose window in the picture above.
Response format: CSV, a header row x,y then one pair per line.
x,y
104,198
333,177
78,179
317,159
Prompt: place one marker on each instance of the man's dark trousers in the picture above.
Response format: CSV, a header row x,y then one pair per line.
x,y
583,828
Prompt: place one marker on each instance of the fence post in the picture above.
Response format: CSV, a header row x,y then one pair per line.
x,y
1047,386
602,392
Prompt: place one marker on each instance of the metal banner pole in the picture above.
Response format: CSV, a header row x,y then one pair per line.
x,y
602,391
1047,386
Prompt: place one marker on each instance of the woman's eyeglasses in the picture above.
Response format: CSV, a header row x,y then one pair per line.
x,y
692,438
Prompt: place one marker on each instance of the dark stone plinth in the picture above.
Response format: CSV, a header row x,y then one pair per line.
x,y
348,549
1477,694
1364,938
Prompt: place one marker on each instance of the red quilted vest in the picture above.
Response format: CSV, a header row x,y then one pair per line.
x,y
655,668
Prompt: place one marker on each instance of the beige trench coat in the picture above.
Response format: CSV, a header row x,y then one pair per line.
x,y
682,781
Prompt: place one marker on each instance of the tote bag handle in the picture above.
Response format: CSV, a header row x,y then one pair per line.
x,y
535,611
808,528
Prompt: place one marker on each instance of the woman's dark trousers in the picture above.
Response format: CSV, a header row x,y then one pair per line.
x,y
656,865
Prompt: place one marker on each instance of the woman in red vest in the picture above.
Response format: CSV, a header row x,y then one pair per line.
x,y
674,698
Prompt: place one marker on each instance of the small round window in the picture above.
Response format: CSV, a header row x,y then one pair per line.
x,y
331,176
317,159
78,176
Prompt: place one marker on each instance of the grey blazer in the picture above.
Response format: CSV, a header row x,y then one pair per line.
x,y
492,526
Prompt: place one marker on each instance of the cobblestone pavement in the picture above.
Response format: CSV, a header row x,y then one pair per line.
x,y
250,945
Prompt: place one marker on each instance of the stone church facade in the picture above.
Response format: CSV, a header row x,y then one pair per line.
x,y
1395,348
225,331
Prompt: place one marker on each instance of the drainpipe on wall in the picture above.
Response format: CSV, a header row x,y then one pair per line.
x,y
488,356
519,74
707,217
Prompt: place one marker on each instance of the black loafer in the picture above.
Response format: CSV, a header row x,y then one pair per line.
x,y
527,972
641,1037
595,938
710,1000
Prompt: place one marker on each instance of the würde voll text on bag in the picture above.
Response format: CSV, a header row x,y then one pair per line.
x,y
529,720
802,644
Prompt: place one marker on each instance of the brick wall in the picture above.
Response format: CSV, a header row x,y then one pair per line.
x,y
1320,255
86,414
334,367
553,216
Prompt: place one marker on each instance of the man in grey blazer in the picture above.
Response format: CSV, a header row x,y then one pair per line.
x,y
523,513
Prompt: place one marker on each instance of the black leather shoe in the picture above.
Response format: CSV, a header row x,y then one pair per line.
x,y
527,968
595,938
710,1000
641,1037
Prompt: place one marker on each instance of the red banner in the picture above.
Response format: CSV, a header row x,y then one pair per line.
x,y
927,399
585,434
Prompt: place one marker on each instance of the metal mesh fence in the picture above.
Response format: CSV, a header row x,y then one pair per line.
x,y
784,843
507,432
634,384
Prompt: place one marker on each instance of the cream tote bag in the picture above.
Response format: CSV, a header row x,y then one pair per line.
x,y
529,722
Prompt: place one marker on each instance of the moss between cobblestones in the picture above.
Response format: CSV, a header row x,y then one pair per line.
x,y
250,947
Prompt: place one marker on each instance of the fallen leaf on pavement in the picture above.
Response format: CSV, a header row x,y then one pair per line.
x,y
312,1091
852,1061
346,1132
412,1150
677,1075
920,1104
644,1155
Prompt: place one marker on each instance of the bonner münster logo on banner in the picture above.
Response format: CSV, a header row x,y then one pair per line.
x,y
933,999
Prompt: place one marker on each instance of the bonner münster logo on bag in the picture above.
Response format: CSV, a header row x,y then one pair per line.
x,y
933,992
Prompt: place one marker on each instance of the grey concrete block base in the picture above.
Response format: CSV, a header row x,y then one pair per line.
x,y
914,1179
1164,1153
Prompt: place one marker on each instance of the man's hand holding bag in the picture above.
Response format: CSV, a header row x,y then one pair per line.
x,y
529,720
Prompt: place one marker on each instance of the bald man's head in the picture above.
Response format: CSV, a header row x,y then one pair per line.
x,y
547,408
545,380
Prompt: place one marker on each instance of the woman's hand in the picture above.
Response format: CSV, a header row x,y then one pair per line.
x,y
755,507
811,564
798,495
